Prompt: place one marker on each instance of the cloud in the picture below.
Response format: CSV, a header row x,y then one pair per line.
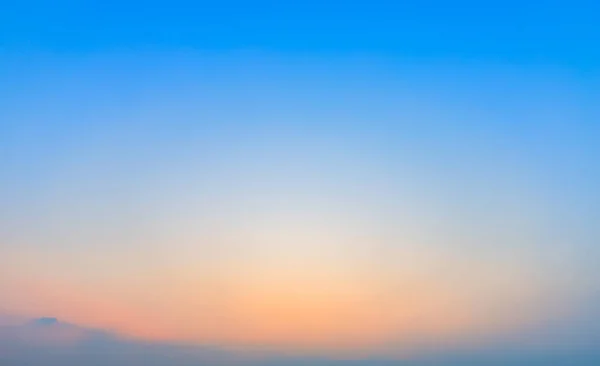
x,y
50,342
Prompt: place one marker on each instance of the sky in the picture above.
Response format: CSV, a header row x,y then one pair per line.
x,y
318,182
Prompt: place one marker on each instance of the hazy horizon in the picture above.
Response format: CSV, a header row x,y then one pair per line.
x,y
299,184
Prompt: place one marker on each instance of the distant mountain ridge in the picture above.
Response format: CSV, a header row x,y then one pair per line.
x,y
50,332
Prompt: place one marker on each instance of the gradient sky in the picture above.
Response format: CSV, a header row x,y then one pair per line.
x,y
357,179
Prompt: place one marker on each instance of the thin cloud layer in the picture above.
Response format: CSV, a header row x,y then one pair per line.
x,y
49,342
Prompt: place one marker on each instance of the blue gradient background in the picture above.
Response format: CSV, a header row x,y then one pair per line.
x,y
360,181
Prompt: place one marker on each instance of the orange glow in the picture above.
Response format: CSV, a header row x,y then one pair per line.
x,y
336,311
287,314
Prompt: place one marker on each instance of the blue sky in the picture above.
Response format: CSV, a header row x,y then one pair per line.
x,y
309,178
556,33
